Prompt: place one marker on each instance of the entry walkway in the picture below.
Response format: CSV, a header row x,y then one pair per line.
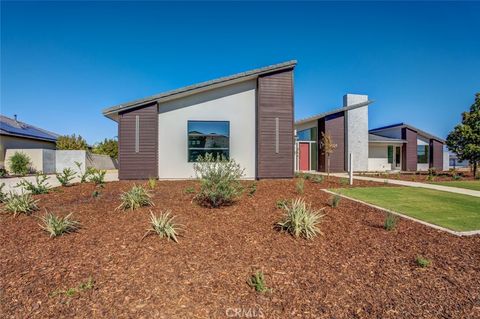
x,y
450,189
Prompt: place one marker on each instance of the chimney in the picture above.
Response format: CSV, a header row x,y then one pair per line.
x,y
351,99
15,117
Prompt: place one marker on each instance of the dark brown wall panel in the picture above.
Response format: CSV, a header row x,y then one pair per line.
x,y
409,151
335,125
436,155
275,100
144,164
322,164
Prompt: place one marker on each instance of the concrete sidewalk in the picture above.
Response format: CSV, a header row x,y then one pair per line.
x,y
10,183
456,190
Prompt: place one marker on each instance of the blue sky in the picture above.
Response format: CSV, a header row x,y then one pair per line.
x,y
63,62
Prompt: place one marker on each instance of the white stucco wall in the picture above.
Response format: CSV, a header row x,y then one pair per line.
x,y
378,158
234,103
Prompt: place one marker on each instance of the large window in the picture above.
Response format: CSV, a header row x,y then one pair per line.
x,y
422,154
390,154
208,137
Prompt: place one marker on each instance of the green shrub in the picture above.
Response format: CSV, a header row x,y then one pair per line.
x,y
253,189
457,177
163,226
66,176
189,190
70,292
96,193
107,147
335,200
20,164
152,182
344,181
97,176
422,262
71,142
56,226
390,222
21,203
219,180
281,203
318,179
299,175
135,198
300,186
84,176
257,281
39,187
3,196
300,220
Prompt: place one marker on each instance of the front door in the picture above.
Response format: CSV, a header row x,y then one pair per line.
x,y
304,162
398,156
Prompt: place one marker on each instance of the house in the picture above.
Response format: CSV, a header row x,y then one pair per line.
x,y
398,147
15,134
246,116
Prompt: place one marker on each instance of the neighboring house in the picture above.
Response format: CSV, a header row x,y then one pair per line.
x,y
19,135
399,147
455,163
246,116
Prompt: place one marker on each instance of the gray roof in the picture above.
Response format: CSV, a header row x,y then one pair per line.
x,y
9,126
111,112
405,125
372,138
340,109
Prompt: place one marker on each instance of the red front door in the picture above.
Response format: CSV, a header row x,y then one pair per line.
x,y
304,163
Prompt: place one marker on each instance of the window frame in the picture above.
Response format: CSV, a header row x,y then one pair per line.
x,y
203,121
426,149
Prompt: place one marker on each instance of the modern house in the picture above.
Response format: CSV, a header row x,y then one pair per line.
x,y
15,134
247,116
398,147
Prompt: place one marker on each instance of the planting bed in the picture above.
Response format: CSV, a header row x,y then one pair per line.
x,y
355,269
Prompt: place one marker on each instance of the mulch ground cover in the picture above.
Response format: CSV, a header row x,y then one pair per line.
x,y
356,269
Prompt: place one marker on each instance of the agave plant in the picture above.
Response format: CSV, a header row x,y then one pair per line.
x,y
163,226
56,226
300,220
135,198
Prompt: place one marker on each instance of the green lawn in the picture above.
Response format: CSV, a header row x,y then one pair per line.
x,y
453,211
474,185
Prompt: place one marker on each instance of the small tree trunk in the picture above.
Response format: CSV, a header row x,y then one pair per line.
x,y
328,166
474,169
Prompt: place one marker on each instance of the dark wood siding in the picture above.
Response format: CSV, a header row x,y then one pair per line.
x,y
335,126
436,155
409,151
144,164
275,100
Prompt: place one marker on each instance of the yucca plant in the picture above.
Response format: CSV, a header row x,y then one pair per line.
x,y
300,185
66,176
152,182
39,187
21,203
390,222
163,226
135,198
56,226
335,200
257,281
300,220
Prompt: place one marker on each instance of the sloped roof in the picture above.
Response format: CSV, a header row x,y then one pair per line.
x,y
382,139
111,112
405,125
9,126
340,109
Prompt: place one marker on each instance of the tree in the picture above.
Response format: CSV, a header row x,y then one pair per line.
x,y
464,140
328,147
108,146
71,142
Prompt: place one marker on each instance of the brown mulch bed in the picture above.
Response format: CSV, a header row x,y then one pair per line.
x,y
355,269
